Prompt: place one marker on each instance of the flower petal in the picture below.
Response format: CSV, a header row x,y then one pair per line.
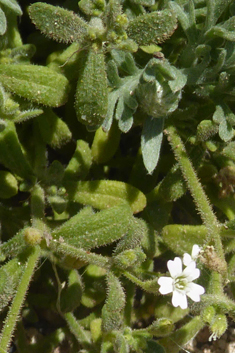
x,y
175,267
191,272
195,251
194,291
179,299
166,285
186,259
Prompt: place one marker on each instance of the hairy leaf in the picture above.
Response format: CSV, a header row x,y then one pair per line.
x,y
57,23
103,194
97,229
154,27
151,141
36,83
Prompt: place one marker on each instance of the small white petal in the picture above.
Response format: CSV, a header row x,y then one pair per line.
x,y
166,285
194,291
179,299
195,251
175,267
186,259
191,272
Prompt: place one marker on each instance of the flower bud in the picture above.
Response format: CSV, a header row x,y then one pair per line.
x,y
159,90
161,327
208,314
218,327
32,236
129,258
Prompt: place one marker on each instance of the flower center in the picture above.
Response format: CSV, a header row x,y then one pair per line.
x,y
180,283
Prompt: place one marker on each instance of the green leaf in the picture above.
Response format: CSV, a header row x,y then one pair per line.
x,y
124,115
11,154
154,27
3,23
8,185
122,102
131,258
133,237
186,19
105,144
181,238
13,6
226,131
229,150
71,295
144,2
120,344
22,54
89,231
92,7
154,347
103,194
10,274
180,337
217,7
91,99
26,115
151,141
206,129
222,31
159,89
80,163
115,302
54,130
57,23
36,83
223,116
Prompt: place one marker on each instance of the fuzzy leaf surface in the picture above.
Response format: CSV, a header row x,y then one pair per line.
x,y
57,23
91,99
3,22
94,230
36,83
151,141
12,5
154,27
103,194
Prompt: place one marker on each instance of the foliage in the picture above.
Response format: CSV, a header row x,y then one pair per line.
x,y
110,111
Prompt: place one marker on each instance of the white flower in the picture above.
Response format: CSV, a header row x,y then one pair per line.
x,y
189,258
181,283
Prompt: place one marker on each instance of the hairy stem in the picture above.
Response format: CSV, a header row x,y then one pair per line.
x,y
38,207
197,192
14,311
78,331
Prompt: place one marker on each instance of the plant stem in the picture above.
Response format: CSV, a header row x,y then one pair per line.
x,y
78,331
18,300
38,207
197,192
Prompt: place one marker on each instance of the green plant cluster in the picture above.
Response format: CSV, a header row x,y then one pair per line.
x,y
117,154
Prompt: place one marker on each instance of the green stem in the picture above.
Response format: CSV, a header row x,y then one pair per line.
x,y
150,286
18,300
38,207
202,204
78,331
73,255
130,294
195,187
